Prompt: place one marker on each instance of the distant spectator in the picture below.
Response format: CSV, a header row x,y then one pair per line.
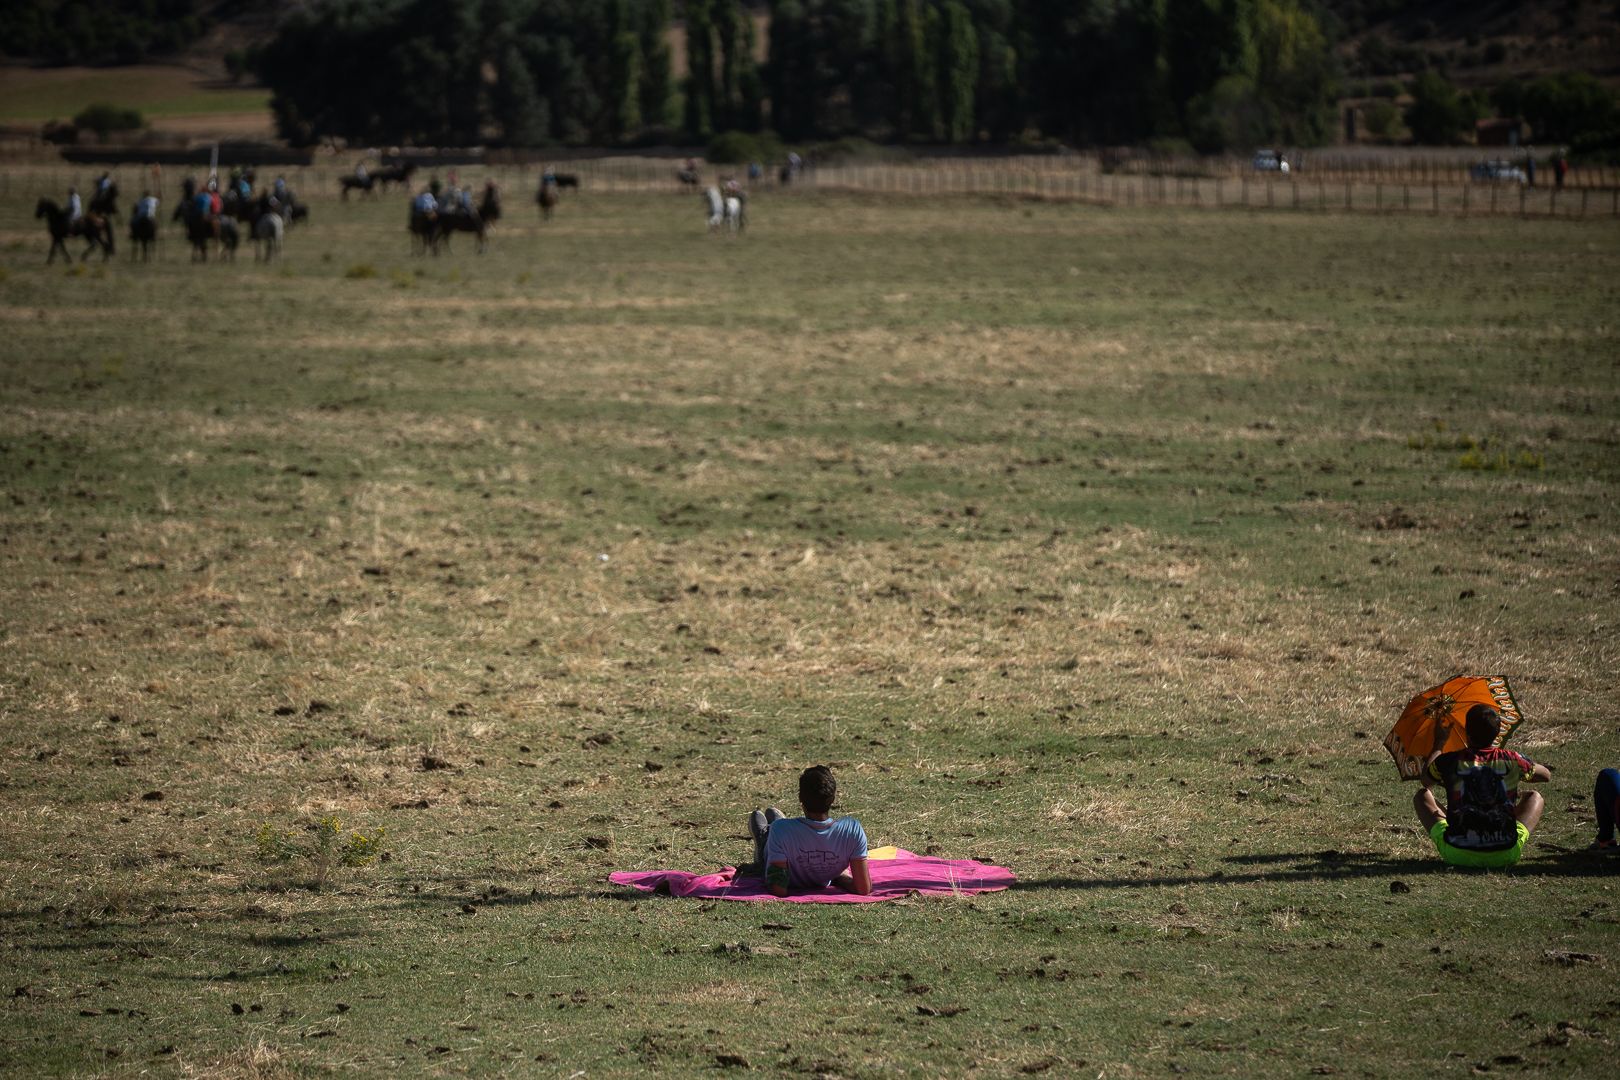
x,y
1606,801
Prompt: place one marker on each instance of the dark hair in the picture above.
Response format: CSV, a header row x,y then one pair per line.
x,y
1484,724
817,789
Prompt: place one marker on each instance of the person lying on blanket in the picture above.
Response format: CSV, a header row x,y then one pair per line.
x,y
813,851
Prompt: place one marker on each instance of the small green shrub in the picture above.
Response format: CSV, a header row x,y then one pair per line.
x,y
103,119
741,147
327,851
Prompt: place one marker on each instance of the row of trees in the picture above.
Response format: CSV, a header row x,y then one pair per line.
x,y
98,31
1217,72
1569,108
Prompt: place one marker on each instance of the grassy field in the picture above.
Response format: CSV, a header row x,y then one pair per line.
x,y
1105,545
159,92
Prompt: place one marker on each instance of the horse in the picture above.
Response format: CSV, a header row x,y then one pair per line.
x,y
489,207
105,202
424,232
459,222
202,228
91,227
567,179
363,185
142,236
688,177
736,214
268,230
394,174
716,207
547,197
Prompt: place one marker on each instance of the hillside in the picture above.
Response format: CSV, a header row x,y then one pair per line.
x,y
1477,43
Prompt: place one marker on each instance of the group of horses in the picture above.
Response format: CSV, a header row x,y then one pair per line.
x,y
264,217
368,184
430,230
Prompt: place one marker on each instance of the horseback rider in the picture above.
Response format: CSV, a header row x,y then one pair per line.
x,y
280,188
103,183
146,206
360,172
426,205
75,208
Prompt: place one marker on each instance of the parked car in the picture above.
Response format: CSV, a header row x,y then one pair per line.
x,y
1270,161
1497,172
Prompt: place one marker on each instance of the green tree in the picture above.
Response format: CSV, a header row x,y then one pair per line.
x,y
700,96
958,73
1563,107
1438,115
657,65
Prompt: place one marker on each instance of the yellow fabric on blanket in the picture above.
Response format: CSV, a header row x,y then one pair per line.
x,y
887,852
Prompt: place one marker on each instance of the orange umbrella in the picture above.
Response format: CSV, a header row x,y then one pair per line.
x,y
1435,719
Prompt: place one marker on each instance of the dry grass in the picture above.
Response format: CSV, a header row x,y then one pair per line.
x,y
561,559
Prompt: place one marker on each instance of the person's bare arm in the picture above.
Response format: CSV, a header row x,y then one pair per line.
x,y
1539,773
776,878
859,878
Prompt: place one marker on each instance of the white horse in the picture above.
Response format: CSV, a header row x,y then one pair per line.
x,y
269,229
734,214
716,207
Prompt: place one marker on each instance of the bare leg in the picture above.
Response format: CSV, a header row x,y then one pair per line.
x,y
1429,812
1529,809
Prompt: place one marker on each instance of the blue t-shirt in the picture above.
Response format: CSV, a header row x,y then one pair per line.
x,y
815,851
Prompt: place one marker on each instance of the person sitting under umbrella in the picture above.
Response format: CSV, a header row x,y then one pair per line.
x,y
1486,821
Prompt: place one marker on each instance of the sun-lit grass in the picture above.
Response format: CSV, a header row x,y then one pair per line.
x,y
1104,545
39,94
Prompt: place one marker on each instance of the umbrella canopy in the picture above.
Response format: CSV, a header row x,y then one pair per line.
x,y
1435,719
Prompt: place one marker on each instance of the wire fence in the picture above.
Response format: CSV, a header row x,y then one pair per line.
x,y
1092,179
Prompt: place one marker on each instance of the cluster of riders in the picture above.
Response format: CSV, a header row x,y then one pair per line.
x,y
439,210
217,214
213,217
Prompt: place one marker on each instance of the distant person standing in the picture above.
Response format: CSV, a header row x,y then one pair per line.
x,y
1606,801
1560,170
1530,168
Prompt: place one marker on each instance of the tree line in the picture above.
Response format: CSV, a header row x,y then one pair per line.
x,y
1216,73
99,31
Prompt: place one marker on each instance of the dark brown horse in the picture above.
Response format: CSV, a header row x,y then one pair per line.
x,y
142,236
547,197
458,222
424,232
489,207
92,227
105,202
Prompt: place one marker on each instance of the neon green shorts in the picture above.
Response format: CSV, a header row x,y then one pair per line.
x,y
1457,856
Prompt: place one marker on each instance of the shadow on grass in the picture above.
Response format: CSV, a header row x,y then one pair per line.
x,y
1281,867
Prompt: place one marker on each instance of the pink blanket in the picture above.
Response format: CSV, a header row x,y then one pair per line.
x,y
903,875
